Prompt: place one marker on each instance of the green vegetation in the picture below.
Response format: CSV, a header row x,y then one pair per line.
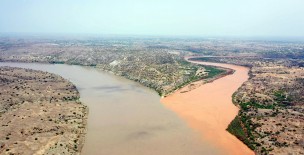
x,y
200,51
236,129
201,59
247,105
240,127
56,62
282,99
245,129
71,98
184,63
213,71
191,79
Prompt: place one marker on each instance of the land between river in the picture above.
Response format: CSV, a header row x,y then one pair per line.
x,y
208,109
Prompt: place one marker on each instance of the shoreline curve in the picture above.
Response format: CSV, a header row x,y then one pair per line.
x,y
208,109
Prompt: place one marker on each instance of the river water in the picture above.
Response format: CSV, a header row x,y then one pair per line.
x,y
209,110
126,118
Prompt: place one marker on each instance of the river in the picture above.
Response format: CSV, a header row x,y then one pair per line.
x,y
126,118
209,110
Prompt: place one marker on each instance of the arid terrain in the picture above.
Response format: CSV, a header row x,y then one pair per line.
x,y
270,120
140,60
40,113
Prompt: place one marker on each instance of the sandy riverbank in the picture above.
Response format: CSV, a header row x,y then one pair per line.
x,y
208,109
125,117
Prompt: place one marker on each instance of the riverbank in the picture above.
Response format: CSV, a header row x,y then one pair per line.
x,y
208,109
40,113
125,117
271,105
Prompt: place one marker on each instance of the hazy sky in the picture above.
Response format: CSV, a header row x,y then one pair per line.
x,y
155,17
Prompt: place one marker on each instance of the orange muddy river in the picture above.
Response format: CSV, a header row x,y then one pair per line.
x,y
126,118
208,109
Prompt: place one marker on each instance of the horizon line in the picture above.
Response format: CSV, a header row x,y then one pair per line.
x,y
177,36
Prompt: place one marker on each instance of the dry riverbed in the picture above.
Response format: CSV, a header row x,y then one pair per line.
x,y
39,113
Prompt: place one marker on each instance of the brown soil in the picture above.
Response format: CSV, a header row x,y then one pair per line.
x,y
39,113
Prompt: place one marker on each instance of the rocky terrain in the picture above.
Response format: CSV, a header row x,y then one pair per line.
x,y
271,120
140,60
271,101
39,113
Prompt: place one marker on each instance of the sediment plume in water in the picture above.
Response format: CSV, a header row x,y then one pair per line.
x,y
208,109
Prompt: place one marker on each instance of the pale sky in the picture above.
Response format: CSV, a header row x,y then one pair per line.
x,y
155,17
